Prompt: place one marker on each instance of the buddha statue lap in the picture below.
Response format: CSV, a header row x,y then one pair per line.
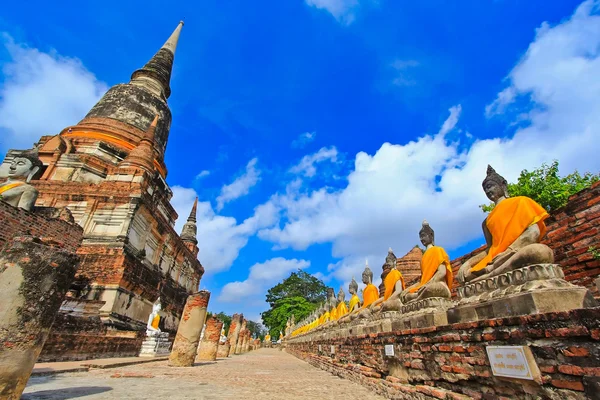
x,y
17,191
512,231
436,271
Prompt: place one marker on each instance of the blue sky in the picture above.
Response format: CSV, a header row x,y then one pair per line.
x,y
318,133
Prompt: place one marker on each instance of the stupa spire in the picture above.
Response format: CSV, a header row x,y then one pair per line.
x,y
189,231
156,74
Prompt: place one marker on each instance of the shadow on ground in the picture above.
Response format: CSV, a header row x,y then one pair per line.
x,y
66,393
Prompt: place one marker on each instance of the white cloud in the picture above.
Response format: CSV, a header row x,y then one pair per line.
x,y
307,166
220,238
240,186
390,192
303,139
342,10
403,75
203,174
42,93
260,278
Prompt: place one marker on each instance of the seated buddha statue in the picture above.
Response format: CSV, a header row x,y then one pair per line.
x,y
341,309
370,293
17,191
436,272
331,305
393,283
354,303
512,231
153,320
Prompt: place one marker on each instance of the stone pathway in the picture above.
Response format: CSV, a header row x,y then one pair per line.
x,y
263,374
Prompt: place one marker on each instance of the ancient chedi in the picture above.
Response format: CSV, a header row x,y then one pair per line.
x,y
109,171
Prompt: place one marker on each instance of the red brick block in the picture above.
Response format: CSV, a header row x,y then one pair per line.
x,y
570,369
572,385
576,351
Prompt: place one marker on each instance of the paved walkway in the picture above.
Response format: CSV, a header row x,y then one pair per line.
x,y
263,374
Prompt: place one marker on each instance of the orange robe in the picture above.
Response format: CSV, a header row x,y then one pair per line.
x,y
432,259
370,294
354,303
155,322
341,309
326,317
390,282
507,221
333,314
9,186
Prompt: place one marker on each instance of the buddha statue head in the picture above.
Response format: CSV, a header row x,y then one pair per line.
x,y
367,276
353,287
390,260
426,234
341,295
494,185
25,166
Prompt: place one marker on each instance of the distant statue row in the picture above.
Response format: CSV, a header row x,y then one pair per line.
x,y
512,231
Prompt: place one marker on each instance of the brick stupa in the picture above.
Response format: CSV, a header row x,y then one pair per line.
x,y
109,171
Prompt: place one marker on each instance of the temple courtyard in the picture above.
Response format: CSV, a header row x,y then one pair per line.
x,y
262,374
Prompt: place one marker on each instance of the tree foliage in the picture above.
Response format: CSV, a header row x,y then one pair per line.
x,y
256,329
297,295
546,187
298,284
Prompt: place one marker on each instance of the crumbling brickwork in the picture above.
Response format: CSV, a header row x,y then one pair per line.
x,y
450,362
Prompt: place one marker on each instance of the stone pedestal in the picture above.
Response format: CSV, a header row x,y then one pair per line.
x,y
535,289
156,345
234,332
34,278
190,327
210,341
223,350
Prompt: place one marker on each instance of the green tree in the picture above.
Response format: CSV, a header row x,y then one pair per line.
x,y
545,186
297,295
256,329
299,284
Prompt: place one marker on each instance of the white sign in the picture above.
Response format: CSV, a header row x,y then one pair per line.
x,y
320,348
332,349
389,350
512,362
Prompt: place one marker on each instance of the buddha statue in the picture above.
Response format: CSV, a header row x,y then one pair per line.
x,y
370,293
17,191
154,319
223,337
341,309
436,271
512,231
354,303
332,304
393,282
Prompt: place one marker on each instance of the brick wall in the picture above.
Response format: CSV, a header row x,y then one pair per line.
x,y
450,362
86,337
62,346
17,222
571,230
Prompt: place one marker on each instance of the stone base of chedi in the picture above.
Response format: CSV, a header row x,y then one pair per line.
x,y
156,345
